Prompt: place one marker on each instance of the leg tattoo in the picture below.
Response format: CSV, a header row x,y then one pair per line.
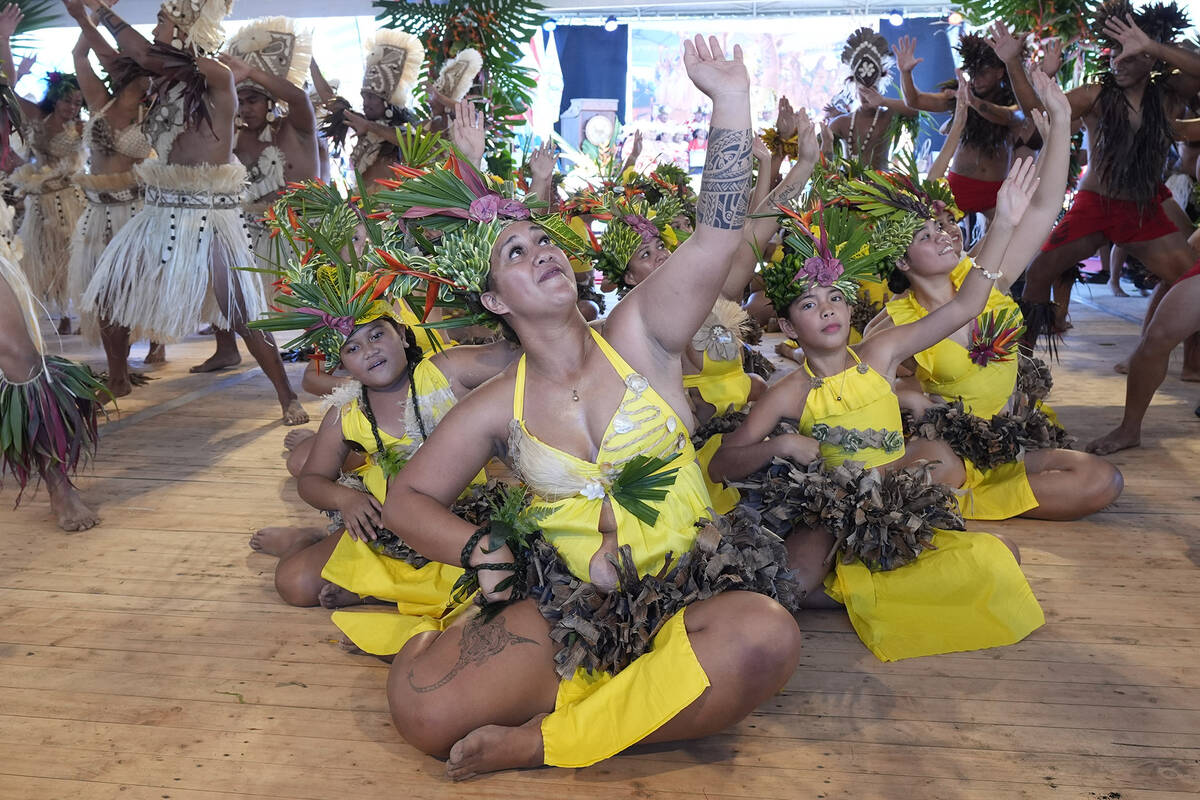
x,y
480,641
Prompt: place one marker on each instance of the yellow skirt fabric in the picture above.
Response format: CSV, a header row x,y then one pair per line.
x,y
969,594
724,498
421,595
597,715
722,384
1002,492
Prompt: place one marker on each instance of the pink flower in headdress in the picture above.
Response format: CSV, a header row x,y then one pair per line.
x,y
645,228
822,269
492,206
343,325
939,206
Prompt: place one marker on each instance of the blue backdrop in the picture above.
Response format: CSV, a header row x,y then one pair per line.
x,y
594,63
933,45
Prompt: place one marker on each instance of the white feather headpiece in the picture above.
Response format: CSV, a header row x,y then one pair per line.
x,y
457,74
200,20
394,61
275,46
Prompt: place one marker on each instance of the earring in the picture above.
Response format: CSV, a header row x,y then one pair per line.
x,y
272,115
177,43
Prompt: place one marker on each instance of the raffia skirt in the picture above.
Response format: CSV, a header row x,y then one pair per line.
x,y
112,201
52,205
157,274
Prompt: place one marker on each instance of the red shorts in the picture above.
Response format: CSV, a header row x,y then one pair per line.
x,y
1119,220
1191,273
971,194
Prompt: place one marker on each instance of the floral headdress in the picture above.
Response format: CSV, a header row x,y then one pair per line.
x,y
274,46
632,222
936,194
200,20
58,86
325,287
895,210
665,180
842,252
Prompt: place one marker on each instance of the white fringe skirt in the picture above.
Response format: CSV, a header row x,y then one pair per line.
x,y
157,276
112,201
52,206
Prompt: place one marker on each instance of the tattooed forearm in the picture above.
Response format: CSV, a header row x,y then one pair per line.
x,y
111,21
725,188
785,193
480,641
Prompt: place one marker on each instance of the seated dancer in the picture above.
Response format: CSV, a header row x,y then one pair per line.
x,y
48,445
1128,120
976,368
595,423
188,244
395,397
872,124
983,154
269,60
115,143
393,63
887,512
52,133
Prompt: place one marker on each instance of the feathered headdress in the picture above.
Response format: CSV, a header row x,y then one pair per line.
x,y
841,252
869,58
200,20
456,76
976,54
275,46
1162,22
394,60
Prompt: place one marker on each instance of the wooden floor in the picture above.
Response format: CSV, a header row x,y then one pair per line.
x,y
150,658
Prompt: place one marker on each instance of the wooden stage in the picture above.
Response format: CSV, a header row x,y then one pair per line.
x,y
150,658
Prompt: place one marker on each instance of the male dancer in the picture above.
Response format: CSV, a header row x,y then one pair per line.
x,y
866,128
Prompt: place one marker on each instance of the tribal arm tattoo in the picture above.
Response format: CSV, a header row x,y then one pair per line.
x,y
480,641
108,18
725,187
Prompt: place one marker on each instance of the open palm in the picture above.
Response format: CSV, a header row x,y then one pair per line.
x,y
709,69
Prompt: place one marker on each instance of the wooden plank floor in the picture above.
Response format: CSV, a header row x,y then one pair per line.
x,y
151,658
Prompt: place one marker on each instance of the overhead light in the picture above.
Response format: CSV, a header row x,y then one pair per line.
x,y
550,24
896,17
955,18
610,24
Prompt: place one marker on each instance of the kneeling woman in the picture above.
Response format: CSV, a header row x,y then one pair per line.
x,y
862,495
596,424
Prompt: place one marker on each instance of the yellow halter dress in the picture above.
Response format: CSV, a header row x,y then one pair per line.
x,y
946,370
597,715
967,594
723,383
421,594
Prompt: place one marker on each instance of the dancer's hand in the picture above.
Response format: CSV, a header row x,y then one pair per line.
x,y
1052,96
1133,40
759,149
75,8
1016,192
905,51
541,163
1052,56
25,67
786,119
713,73
362,514
239,68
466,131
807,147
801,449
357,121
10,18
962,96
1007,46
490,578
635,151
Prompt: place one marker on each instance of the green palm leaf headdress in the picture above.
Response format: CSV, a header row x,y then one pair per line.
x,y
895,209
631,221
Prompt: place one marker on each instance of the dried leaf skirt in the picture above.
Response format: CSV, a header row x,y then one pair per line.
x,y
157,275
50,216
945,590
112,201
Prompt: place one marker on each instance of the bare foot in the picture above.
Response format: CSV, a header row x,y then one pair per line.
x,y
119,388
207,330
1114,440
1189,375
294,413
64,329
1118,291
1122,367
157,354
218,361
277,541
294,438
496,747
333,596
347,646
68,507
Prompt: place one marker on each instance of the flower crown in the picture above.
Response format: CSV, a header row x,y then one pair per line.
x,y
894,208
936,194
325,287
665,180
841,253
632,222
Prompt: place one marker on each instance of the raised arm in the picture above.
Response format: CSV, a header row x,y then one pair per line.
x,y
888,348
467,132
1135,42
10,18
129,42
906,60
1010,49
541,174
748,449
760,230
94,92
940,164
672,303
324,90
300,116
469,366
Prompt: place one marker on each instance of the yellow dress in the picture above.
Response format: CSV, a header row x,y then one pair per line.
x,y
721,382
946,370
421,594
596,715
967,594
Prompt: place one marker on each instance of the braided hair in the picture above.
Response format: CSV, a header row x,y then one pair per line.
x,y
413,355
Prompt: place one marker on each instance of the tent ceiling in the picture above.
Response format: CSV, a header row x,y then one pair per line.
x,y
144,11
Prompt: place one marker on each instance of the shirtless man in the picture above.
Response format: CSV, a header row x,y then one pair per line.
x,y
175,264
1128,119
865,128
275,148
